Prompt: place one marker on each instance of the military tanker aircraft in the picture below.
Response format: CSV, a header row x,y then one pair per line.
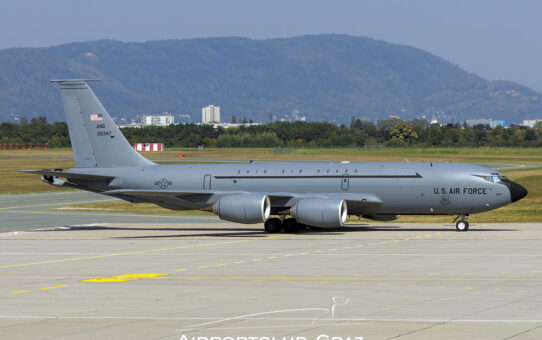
x,y
319,194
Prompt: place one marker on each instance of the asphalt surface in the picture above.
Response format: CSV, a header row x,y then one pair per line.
x,y
50,210
129,276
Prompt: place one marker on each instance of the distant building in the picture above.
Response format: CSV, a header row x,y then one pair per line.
x,y
131,124
531,122
158,120
489,122
210,114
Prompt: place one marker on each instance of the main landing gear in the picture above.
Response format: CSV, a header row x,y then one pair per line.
x,y
462,224
273,225
290,225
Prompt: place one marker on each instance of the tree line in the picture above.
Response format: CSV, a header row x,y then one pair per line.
x,y
387,132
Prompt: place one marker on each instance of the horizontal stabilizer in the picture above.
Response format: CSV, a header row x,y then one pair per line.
x,y
69,175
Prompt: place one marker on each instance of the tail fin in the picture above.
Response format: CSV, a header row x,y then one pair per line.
x,y
96,140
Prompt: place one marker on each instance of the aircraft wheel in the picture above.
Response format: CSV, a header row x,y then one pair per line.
x,y
273,225
290,225
462,225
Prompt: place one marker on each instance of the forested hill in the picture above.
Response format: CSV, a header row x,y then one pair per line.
x,y
324,77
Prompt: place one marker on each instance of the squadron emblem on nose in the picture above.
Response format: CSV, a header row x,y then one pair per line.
x,y
163,183
445,200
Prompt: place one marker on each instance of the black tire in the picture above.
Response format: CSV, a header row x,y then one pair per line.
x,y
273,225
290,225
462,226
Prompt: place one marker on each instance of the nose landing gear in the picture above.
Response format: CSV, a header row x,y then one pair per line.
x,y
462,224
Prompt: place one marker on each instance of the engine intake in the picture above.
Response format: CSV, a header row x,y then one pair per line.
x,y
243,208
320,212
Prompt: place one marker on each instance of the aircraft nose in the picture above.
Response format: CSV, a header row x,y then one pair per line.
x,y
517,192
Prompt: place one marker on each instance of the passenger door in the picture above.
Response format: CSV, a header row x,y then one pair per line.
x,y
207,182
345,182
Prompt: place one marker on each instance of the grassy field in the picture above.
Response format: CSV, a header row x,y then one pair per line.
x,y
527,210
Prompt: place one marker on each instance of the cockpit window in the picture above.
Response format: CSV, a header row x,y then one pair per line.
x,y
496,178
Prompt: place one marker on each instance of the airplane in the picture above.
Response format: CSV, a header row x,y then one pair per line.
x,y
317,195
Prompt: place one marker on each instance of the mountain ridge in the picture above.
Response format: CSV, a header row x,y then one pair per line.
x,y
324,77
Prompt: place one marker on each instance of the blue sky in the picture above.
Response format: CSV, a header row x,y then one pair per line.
x,y
495,39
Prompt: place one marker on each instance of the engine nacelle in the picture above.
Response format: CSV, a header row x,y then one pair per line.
x,y
320,212
243,208
381,217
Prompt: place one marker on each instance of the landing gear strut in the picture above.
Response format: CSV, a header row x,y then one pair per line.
x,y
273,225
462,224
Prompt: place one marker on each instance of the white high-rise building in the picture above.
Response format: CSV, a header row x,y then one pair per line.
x,y
210,114
158,120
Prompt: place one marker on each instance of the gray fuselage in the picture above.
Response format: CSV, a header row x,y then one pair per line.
x,y
403,188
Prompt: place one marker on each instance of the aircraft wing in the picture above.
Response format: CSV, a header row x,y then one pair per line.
x,y
68,175
278,199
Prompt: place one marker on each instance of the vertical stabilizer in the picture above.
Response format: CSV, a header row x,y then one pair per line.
x,y
96,139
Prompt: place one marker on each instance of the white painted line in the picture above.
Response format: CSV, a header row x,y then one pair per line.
x,y
414,320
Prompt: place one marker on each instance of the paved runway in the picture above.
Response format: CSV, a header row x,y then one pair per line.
x,y
114,276
33,211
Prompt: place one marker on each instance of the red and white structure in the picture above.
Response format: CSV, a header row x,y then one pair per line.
x,y
149,146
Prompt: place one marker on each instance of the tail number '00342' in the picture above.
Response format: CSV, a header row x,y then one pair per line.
x,y
103,133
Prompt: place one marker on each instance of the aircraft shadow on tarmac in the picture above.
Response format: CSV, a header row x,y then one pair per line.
x,y
251,232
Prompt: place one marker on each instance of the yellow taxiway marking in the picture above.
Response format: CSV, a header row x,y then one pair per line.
x,y
135,252
349,278
202,267
254,260
220,264
111,279
332,249
272,257
315,278
180,270
238,262
19,292
140,275
54,287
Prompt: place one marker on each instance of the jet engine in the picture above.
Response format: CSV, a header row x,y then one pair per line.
x,y
243,208
320,212
381,217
